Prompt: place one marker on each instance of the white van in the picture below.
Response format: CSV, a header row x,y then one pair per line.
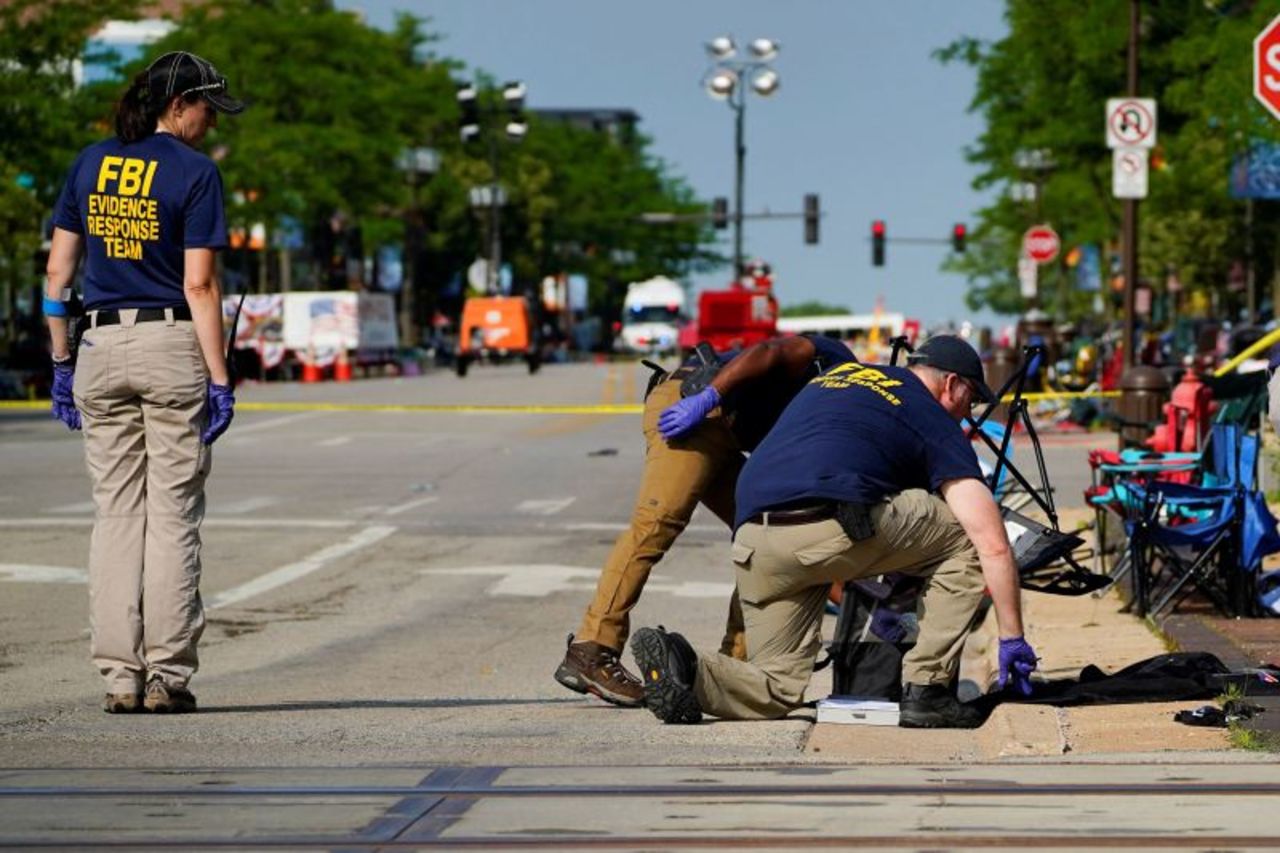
x,y
652,312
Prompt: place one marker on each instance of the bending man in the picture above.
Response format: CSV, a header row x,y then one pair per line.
x,y
694,448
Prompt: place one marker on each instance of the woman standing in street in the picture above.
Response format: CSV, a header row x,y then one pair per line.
x,y
149,381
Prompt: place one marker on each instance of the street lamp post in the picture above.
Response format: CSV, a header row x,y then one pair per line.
x,y
417,165
476,120
724,82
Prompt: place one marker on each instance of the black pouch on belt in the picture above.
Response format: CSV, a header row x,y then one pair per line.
x,y
655,378
855,520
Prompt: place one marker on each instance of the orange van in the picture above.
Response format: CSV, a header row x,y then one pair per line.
x,y
496,328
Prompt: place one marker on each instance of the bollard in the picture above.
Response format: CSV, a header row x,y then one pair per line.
x,y
1001,364
1144,391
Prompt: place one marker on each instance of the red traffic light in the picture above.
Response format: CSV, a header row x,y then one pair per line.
x,y
877,243
958,234
877,228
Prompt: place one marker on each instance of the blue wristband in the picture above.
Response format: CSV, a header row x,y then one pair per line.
x,y
54,307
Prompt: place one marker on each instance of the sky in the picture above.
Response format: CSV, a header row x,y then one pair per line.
x,y
865,117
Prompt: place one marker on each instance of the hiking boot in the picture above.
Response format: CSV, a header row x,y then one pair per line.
x,y
594,668
164,698
122,703
933,706
668,665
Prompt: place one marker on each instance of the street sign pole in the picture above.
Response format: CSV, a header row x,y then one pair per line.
x,y
1130,259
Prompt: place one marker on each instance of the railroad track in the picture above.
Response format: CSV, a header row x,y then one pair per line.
x,y
1014,806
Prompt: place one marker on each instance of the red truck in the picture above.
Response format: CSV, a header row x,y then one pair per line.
x,y
734,318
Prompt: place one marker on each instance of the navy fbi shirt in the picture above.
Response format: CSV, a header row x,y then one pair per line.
x,y
138,207
756,410
857,433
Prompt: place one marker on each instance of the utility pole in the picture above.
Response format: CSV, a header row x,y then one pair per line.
x,y
1129,258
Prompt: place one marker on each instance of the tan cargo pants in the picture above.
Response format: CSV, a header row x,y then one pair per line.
x,y
140,389
783,577
702,465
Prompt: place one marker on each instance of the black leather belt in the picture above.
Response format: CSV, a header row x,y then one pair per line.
x,y
111,316
797,515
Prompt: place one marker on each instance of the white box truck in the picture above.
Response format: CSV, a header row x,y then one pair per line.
x,y
652,313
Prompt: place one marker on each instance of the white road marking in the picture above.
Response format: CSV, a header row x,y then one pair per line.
x,y
246,506
539,581
410,505
304,523
71,509
615,527
19,573
271,423
336,441
293,571
549,506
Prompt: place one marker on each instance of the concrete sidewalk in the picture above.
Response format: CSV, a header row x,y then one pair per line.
x,y
1068,633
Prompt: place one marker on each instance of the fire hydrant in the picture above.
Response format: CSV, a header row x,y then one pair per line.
x,y
1187,416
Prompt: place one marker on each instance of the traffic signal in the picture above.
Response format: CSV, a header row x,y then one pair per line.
x,y
958,235
811,216
469,120
513,95
720,212
877,243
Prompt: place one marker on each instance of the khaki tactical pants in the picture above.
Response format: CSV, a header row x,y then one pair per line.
x,y
140,389
702,465
783,577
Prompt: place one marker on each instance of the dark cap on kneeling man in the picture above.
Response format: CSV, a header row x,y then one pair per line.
x,y
954,355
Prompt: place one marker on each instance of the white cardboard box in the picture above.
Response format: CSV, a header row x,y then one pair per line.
x,y
857,711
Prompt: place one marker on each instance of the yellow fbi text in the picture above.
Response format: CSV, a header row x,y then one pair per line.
x,y
854,375
121,212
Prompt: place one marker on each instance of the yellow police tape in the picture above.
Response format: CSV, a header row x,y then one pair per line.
x,y
467,409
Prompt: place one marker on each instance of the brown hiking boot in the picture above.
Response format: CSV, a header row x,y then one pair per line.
x,y
164,698
122,703
593,668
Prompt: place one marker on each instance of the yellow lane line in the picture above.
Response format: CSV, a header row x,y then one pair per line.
x,y
609,392
617,409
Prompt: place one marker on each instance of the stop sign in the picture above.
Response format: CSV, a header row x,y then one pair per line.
x,y
1266,66
1040,244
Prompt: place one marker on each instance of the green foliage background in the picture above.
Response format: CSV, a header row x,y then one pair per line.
x,y
333,103
1044,87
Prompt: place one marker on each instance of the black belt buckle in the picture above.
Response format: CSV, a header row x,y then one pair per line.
x,y
855,520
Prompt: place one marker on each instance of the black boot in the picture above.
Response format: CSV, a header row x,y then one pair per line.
x,y
668,665
933,706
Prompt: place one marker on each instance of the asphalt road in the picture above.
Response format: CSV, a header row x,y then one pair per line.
x,y
381,586
386,590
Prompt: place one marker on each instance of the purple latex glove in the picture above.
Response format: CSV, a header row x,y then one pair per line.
x,y
1017,659
679,418
221,409
887,625
64,402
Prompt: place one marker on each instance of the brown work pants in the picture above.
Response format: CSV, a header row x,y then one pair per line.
x,y
140,389
700,466
784,573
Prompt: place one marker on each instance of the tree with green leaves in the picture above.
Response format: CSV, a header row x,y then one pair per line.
x,y
1042,91
812,308
45,119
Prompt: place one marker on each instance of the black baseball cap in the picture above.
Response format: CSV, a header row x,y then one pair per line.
x,y
954,355
182,73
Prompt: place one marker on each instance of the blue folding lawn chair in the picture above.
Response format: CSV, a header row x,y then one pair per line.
x,y
1209,538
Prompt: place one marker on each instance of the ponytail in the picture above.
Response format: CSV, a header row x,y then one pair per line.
x,y
136,114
